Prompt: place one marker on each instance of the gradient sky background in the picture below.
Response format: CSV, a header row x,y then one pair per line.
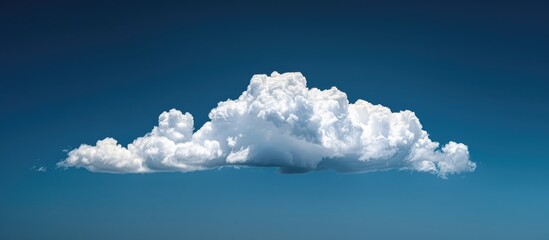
x,y
73,73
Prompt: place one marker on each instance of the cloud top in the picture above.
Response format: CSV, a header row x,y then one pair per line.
x,y
280,122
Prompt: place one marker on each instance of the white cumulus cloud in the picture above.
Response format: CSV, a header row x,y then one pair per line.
x,y
280,122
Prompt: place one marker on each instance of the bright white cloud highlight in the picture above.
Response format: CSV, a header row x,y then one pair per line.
x,y
280,122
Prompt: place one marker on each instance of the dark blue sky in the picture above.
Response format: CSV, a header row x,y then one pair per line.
x,y
474,72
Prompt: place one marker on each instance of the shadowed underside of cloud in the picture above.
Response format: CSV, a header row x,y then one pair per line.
x,y
280,122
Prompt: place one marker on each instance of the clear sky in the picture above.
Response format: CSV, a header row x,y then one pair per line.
x,y
72,73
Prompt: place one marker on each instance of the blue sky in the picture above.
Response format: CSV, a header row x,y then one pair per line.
x,y
72,73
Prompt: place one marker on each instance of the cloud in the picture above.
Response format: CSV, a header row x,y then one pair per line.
x,y
280,122
39,168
